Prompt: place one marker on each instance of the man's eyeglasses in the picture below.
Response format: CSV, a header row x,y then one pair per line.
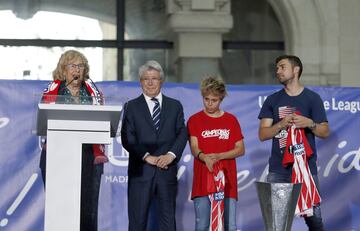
x,y
148,80
72,66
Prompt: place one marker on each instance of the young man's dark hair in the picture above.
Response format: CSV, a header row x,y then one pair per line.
x,y
294,60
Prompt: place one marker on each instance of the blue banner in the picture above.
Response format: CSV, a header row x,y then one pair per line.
x,y
22,192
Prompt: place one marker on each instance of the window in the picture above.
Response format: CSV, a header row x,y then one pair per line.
x,y
123,34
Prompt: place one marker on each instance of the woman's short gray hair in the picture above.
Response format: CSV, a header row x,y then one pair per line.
x,y
151,65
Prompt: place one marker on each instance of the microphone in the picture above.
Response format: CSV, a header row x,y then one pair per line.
x,y
61,90
75,78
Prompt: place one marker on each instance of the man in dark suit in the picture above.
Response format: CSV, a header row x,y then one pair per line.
x,y
154,134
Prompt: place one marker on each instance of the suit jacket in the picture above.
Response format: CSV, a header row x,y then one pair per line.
x,y
139,136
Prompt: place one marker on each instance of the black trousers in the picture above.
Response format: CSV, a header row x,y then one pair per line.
x,y
90,187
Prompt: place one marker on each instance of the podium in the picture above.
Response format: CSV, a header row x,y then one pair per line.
x,y
67,127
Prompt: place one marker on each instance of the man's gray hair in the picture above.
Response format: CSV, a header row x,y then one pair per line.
x,y
151,65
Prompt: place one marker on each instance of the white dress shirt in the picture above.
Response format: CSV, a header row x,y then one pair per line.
x,y
151,105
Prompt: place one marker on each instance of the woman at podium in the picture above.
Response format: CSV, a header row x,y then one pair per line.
x,y
71,85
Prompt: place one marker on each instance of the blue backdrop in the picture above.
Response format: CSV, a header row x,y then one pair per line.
x,y
21,188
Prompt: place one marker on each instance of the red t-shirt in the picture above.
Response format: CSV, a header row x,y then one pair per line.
x,y
214,135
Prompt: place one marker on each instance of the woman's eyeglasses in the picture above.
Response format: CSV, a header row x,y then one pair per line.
x,y
73,66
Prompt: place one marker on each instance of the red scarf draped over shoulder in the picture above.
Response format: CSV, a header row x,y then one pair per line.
x,y
50,95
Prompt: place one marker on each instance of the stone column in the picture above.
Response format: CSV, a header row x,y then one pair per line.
x,y
25,9
198,27
349,42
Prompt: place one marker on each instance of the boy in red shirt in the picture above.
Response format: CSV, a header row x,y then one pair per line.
x,y
215,141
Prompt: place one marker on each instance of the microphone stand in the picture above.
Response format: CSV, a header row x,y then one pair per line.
x,y
75,78
61,90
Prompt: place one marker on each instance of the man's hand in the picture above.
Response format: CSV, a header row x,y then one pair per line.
x,y
152,160
301,121
165,160
286,122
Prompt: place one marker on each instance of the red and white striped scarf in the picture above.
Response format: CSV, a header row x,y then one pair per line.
x,y
297,152
216,187
50,96
51,92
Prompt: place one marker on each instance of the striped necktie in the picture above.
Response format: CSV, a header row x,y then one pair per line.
x,y
156,113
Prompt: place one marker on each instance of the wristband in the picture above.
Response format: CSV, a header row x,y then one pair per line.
x,y
198,154
312,126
